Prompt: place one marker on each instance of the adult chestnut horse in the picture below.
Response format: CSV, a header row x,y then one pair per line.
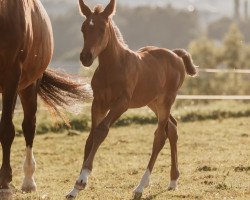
x,y
126,79
26,46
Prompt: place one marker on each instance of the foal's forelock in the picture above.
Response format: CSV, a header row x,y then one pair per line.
x,y
91,23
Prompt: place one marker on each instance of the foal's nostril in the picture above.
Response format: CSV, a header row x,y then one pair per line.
x,y
89,56
86,56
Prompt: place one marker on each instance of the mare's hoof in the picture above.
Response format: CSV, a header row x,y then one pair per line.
x,y
29,189
137,195
28,185
5,194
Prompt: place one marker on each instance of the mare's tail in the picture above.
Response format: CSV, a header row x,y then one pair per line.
x,y
191,69
58,89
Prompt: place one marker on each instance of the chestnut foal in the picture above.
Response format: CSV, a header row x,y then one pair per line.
x,y
26,46
126,79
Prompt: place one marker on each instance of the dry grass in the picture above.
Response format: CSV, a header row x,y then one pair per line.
x,y
213,160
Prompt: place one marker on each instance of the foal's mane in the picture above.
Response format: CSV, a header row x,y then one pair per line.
x,y
118,34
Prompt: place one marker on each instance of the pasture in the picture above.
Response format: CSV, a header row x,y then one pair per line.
x,y
213,159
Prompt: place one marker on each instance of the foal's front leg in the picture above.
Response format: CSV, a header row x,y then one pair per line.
x,y
98,113
97,136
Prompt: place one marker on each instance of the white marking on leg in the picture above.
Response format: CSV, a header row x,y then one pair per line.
x,y
144,183
80,183
172,185
29,168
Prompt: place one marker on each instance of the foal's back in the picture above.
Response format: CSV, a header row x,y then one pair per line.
x,y
160,72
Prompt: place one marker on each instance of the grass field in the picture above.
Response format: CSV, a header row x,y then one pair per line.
x,y
214,161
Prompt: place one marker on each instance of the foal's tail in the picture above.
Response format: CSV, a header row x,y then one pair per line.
x,y
191,69
58,89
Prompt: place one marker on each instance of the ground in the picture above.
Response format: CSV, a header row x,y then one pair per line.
x,y
213,160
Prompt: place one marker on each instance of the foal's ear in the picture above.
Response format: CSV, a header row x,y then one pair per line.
x,y
110,9
84,9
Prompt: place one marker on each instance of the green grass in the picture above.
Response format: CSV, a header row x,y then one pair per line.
x,y
213,161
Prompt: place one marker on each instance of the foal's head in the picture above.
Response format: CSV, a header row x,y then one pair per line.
x,y
95,31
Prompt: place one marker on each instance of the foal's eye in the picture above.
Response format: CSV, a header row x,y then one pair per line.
x,y
102,30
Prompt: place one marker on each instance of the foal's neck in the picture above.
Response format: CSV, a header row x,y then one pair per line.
x,y
113,53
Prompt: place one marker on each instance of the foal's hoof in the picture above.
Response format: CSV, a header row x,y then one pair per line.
x,y
72,194
70,197
28,185
172,185
77,188
137,195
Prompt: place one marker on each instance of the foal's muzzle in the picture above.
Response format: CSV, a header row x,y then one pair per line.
x,y
86,58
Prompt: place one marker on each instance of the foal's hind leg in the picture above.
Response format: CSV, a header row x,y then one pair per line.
x,y
159,142
173,137
29,102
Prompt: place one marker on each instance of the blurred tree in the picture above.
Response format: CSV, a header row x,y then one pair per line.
x,y
245,29
246,9
205,53
237,10
233,45
234,53
217,29
245,61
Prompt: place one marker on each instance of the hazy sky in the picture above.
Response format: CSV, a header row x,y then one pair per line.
x,y
224,7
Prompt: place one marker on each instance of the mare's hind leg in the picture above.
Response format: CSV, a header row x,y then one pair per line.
x,y
173,137
7,130
29,102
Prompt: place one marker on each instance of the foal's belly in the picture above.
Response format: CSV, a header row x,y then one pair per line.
x,y
149,86
142,99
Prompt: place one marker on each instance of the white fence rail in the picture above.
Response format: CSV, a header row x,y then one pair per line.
x,y
231,71
214,97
